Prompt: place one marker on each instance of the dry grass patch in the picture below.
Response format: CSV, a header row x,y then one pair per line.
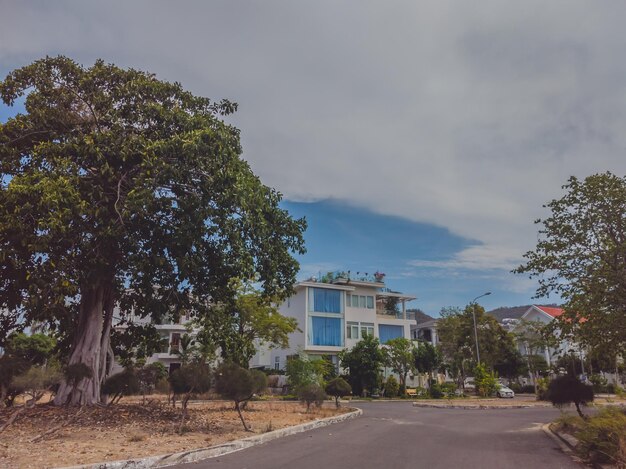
x,y
131,430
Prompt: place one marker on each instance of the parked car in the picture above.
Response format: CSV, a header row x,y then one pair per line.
x,y
503,391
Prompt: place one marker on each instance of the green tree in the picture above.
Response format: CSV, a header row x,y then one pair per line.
x,y
581,257
427,359
363,362
511,364
239,385
458,344
36,349
304,370
399,356
113,178
240,326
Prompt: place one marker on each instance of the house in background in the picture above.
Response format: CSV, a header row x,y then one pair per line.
x,y
545,315
335,311
426,332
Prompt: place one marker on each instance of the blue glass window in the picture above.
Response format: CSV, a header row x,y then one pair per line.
x,y
323,300
325,331
387,332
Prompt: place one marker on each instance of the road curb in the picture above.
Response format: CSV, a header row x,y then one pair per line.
x,y
479,406
199,454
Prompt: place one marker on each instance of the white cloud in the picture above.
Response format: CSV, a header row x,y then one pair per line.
x,y
480,257
467,115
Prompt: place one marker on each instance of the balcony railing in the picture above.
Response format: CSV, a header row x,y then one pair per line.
x,y
389,314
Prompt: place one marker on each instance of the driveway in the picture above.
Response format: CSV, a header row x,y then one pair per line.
x,y
395,435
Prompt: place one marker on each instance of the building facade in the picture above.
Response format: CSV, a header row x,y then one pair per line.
x,y
335,312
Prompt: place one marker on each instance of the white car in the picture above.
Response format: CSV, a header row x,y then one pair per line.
x,y
503,391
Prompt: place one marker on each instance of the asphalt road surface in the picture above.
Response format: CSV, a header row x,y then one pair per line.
x,y
396,435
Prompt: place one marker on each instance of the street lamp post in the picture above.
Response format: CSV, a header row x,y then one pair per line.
x,y
473,303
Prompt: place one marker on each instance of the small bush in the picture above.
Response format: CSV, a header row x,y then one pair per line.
x,y
391,387
435,391
448,389
542,389
239,385
338,387
565,390
311,393
121,384
486,381
189,380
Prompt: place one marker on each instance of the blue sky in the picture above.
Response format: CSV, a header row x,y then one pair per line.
x,y
420,138
345,237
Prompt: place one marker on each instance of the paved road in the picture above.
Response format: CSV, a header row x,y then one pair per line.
x,y
395,435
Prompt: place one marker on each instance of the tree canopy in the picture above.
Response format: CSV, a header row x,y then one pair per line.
x,y
239,326
118,188
581,256
363,362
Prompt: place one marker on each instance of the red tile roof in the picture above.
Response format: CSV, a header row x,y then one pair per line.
x,y
554,312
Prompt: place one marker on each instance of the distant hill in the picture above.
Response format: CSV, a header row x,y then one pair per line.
x,y
513,312
420,316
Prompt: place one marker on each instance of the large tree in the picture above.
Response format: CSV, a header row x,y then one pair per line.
x,y
399,356
118,188
581,256
457,340
364,362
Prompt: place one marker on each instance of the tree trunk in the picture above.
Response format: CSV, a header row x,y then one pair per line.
x,y
583,416
245,426
87,348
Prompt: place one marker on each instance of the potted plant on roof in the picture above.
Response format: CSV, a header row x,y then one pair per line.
x,y
379,276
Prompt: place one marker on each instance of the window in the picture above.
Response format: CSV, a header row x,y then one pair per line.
x,y
323,300
367,328
387,332
277,363
175,342
352,331
325,331
360,301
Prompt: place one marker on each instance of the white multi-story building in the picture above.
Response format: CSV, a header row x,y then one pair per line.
x,y
335,312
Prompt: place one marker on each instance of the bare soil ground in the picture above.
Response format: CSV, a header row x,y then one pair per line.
x,y
130,429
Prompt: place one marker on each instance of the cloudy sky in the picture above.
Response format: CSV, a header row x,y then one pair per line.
x,y
420,138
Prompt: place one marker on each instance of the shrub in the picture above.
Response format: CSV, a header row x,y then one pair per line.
x,y
568,389
239,385
542,389
36,381
149,375
10,367
391,387
486,381
121,384
599,383
603,437
448,389
311,393
338,387
189,380
435,391
260,381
